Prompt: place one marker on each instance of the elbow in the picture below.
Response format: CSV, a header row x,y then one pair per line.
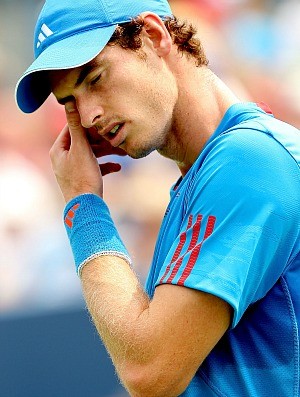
x,y
150,382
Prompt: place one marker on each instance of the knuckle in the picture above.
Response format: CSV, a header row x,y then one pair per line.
x,y
74,123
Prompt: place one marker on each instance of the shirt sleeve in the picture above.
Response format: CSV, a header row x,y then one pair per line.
x,y
239,227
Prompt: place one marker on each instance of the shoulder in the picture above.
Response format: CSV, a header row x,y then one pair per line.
x,y
246,164
250,147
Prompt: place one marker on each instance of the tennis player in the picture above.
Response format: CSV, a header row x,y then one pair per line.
x,y
219,315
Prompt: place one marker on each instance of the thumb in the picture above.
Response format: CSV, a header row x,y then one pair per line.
x,y
77,131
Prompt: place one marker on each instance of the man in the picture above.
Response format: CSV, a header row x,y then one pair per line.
x,y
221,310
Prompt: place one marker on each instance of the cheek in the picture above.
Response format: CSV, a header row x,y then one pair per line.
x,y
154,96
140,91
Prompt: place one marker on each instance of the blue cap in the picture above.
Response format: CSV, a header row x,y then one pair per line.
x,y
70,33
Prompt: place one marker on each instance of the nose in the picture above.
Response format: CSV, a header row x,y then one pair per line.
x,y
90,113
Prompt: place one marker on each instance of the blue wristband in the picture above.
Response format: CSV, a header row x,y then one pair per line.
x,y
91,230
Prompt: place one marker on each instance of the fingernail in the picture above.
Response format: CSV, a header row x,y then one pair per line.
x,y
70,107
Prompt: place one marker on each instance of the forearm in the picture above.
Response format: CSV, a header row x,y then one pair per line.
x,y
137,333
116,301
131,331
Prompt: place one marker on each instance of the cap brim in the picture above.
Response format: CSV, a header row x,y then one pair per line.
x,y
33,88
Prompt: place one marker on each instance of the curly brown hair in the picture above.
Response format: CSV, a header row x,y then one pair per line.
x,y
183,35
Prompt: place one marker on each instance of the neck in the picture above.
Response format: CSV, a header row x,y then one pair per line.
x,y
202,102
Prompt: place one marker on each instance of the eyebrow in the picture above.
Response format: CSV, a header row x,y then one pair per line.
x,y
85,71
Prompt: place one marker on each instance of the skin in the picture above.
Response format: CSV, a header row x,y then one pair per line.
x,y
163,103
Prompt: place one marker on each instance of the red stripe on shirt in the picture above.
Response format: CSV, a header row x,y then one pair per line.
x,y
195,254
193,242
182,240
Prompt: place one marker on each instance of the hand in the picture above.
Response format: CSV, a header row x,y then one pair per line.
x,y
101,147
73,161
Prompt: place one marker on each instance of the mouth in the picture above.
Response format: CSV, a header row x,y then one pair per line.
x,y
114,130
115,136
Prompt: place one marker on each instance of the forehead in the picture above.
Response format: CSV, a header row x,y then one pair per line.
x,y
68,77
58,77
73,76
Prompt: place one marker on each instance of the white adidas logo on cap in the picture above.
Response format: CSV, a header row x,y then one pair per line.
x,y
45,32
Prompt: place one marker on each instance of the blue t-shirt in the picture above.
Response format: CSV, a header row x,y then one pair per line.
x,y
232,229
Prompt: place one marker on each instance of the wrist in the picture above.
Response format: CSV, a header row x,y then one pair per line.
x,y
91,230
70,196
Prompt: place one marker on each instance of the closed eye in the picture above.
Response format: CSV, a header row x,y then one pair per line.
x,y
95,80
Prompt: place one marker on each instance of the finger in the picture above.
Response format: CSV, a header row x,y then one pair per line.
x,y
61,144
77,132
105,149
109,168
63,140
100,145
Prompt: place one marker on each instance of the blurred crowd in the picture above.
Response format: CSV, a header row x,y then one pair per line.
x,y
252,45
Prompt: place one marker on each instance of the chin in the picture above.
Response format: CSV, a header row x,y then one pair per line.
x,y
139,153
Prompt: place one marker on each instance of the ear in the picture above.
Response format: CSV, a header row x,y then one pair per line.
x,y
157,32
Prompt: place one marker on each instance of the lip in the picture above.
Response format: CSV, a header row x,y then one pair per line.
x,y
105,131
117,139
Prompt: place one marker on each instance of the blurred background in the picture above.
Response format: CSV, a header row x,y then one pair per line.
x,y
48,346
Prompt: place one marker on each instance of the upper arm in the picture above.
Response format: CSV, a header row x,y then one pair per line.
x,y
179,328
188,324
